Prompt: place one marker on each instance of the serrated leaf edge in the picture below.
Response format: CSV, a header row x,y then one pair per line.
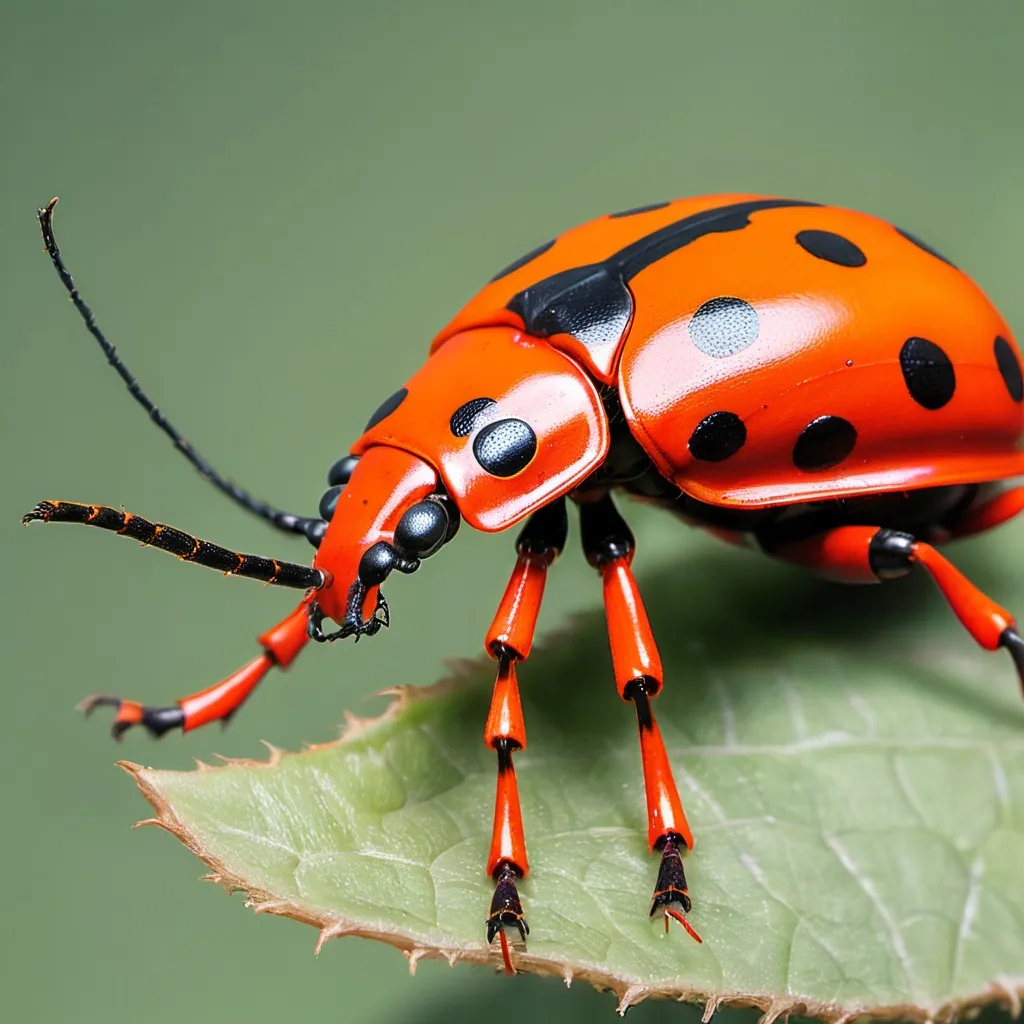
x,y
1004,991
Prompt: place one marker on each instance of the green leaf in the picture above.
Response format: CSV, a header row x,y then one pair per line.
x,y
852,767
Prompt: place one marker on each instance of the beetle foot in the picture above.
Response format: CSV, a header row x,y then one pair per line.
x,y
506,912
670,892
156,721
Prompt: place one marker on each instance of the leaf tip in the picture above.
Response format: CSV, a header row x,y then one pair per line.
x,y
276,753
218,879
709,1009
414,956
630,997
776,1008
335,930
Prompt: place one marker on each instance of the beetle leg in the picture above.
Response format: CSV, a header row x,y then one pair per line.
x,y
508,641
608,545
869,554
993,512
280,645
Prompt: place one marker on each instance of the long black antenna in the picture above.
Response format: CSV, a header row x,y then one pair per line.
x,y
286,521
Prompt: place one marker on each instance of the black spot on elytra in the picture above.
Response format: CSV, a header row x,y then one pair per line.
x,y
927,372
640,209
387,407
505,447
464,418
833,248
1009,368
724,326
924,246
717,437
523,260
824,443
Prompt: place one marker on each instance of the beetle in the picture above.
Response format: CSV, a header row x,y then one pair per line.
x,y
785,374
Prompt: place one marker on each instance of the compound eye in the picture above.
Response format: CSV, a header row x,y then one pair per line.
x,y
340,472
329,502
423,528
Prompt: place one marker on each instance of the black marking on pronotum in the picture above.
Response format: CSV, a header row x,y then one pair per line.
x,y
824,443
593,302
505,447
1009,368
927,372
723,326
528,257
464,420
717,437
833,248
649,208
914,240
387,407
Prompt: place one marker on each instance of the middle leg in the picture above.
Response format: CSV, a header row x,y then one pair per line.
x,y
508,641
608,545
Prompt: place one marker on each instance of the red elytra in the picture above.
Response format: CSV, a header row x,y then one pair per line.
x,y
802,377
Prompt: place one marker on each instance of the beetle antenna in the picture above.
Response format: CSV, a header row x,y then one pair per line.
x,y
286,521
188,548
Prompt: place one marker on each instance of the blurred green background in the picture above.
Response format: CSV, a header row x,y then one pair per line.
x,y
272,209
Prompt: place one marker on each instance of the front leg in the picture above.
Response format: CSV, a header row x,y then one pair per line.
x,y
509,640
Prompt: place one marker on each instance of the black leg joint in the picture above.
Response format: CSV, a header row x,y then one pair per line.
x,y
637,691
891,554
1012,641
545,531
605,534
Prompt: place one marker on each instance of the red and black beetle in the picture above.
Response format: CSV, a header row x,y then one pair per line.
x,y
803,378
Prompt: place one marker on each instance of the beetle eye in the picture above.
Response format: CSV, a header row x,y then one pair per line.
x,y
423,528
340,472
329,501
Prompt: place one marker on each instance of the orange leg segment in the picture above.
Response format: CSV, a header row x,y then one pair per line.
x,y
867,554
608,545
219,702
509,640
994,512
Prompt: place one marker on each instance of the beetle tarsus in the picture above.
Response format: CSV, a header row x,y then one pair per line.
x,y
670,889
156,721
506,911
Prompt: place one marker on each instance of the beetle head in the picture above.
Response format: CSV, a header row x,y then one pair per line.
x,y
495,425
384,516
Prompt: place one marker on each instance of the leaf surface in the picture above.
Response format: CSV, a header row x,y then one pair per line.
x,y
852,768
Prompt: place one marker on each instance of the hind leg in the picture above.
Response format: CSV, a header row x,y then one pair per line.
x,y
988,513
869,554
